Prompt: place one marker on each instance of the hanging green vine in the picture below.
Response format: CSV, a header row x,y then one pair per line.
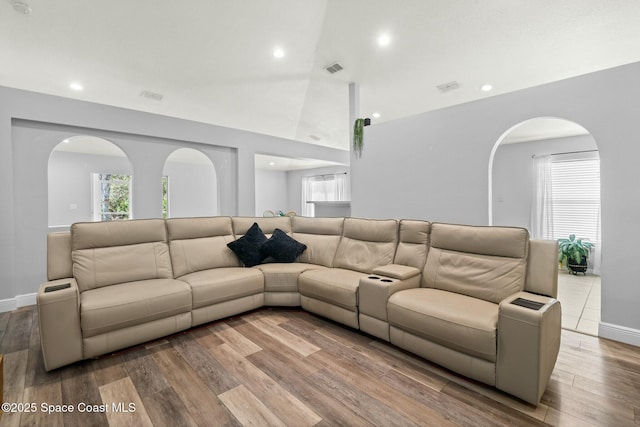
x,y
358,133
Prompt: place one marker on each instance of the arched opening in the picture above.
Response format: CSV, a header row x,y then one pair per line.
x,y
544,175
89,179
190,184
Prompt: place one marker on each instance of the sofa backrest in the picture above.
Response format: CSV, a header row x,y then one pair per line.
x,y
483,262
59,263
366,244
200,244
542,268
321,235
107,253
267,224
413,243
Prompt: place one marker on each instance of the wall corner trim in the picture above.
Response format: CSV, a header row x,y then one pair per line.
x,y
619,333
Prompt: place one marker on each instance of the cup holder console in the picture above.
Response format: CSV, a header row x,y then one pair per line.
x,y
380,278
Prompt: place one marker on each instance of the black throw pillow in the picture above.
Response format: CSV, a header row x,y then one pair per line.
x,y
247,248
281,247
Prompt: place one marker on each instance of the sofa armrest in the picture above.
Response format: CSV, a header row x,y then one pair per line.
x,y
396,271
528,344
59,319
375,290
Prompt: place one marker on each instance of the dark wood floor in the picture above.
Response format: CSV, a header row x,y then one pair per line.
x,y
289,367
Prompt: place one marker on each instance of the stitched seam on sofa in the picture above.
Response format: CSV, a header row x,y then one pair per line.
x,y
95,273
322,298
155,258
248,293
438,264
140,321
177,291
444,320
443,340
185,258
113,327
240,279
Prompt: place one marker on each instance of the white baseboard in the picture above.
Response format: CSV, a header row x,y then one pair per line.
x,y
11,304
619,333
26,299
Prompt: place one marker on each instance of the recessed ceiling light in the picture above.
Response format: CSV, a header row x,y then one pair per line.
x,y
376,115
272,163
76,86
65,141
21,7
384,39
486,88
278,53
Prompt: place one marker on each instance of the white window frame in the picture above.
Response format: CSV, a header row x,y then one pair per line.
x,y
96,196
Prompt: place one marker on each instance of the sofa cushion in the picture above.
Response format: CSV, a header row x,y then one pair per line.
x,y
200,244
335,286
218,285
97,267
284,277
119,306
282,248
413,243
90,235
247,248
321,235
366,244
482,262
460,322
113,252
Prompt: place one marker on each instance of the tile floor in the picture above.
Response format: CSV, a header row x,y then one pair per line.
x,y
580,299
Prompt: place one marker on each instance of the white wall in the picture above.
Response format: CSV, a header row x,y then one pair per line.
x,y
513,176
271,191
70,184
435,166
32,124
193,189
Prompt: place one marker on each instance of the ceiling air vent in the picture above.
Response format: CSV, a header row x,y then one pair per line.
x,y
151,95
447,87
334,68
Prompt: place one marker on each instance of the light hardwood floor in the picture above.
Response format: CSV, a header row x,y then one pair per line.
x,y
289,367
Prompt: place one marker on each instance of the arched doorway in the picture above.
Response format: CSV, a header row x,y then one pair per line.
x,y
89,179
544,175
190,184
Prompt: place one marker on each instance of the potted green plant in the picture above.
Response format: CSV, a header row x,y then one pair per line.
x,y
573,253
358,134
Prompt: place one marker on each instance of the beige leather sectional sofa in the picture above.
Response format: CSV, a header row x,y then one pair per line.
x,y
445,292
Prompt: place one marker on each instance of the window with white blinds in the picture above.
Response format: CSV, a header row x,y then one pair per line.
x,y
575,189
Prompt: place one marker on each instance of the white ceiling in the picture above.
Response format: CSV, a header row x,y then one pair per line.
x,y
543,128
212,60
263,161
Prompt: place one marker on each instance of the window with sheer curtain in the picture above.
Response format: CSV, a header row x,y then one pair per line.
x,y
567,199
323,188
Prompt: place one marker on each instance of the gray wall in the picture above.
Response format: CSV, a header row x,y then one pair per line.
x,y
271,191
70,182
32,124
513,176
193,189
435,166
